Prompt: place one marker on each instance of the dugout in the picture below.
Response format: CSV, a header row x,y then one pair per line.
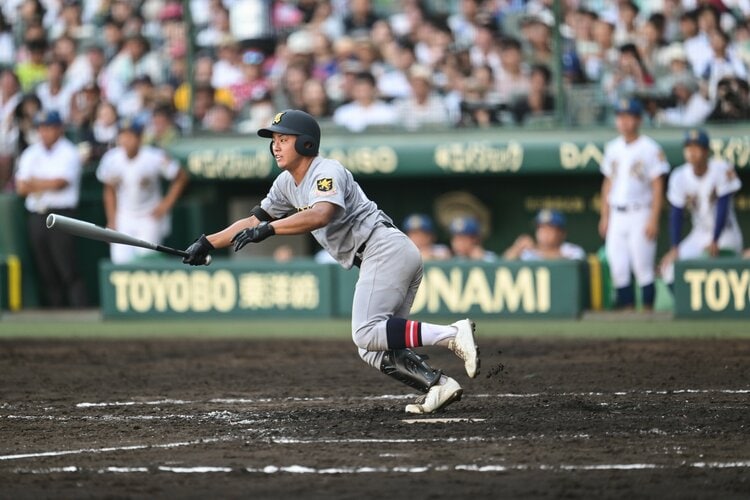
x,y
506,175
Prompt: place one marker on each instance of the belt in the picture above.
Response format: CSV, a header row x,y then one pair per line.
x,y
361,250
626,208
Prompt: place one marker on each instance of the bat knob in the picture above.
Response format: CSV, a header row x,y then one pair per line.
x,y
50,221
207,260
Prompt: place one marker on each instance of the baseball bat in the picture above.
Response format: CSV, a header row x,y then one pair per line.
x,y
94,232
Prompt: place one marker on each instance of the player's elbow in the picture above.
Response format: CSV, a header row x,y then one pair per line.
x,y
321,214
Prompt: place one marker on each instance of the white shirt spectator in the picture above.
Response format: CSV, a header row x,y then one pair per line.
x,y
699,52
692,113
567,251
60,162
356,117
59,102
226,74
413,115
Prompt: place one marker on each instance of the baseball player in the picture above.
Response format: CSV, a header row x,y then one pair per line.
x,y
133,201
632,196
703,186
318,195
548,242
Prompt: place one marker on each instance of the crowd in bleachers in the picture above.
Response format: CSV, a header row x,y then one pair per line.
x,y
362,63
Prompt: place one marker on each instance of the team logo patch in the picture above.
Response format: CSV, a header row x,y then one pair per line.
x,y
277,118
325,186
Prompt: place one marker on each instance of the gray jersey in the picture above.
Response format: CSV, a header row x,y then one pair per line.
x,y
328,180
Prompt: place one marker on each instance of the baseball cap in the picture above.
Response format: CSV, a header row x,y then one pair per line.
x,y
464,226
253,57
696,136
551,217
418,222
631,106
131,125
50,118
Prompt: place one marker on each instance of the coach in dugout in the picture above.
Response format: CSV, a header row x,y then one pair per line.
x,y
131,174
49,176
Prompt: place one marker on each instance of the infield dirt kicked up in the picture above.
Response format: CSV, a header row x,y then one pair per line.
x,y
546,418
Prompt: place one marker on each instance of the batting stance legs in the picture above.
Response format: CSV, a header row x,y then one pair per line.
x,y
629,249
390,274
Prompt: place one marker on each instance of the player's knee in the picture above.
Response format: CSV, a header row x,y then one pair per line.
x,y
363,336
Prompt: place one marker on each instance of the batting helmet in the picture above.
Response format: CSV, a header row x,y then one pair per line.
x,y
299,123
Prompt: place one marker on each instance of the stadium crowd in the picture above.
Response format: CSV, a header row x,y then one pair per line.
x,y
361,63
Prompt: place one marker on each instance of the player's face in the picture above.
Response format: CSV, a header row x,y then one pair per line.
x,y
695,154
49,135
627,124
463,244
549,236
286,156
130,142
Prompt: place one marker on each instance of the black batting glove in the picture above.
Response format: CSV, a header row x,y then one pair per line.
x,y
198,251
252,235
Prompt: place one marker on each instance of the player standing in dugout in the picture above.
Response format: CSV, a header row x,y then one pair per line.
x,y
318,195
632,196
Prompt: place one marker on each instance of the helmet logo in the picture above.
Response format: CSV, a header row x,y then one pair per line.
x,y
277,118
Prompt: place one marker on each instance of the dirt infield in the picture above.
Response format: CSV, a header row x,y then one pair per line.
x,y
278,419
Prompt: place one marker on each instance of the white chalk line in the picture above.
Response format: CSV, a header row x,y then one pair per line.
x,y
419,469
107,449
232,401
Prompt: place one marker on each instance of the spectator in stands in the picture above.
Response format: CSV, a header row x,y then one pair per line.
x,y
10,97
539,100
291,95
484,49
315,100
549,241
33,71
626,29
54,95
137,101
227,70
477,110
161,131
7,43
535,30
217,30
83,104
219,119
421,230
463,23
424,107
722,63
27,134
113,37
366,110
695,27
360,19
323,21
466,240
732,101
513,79
629,77
603,59
103,134
49,176
134,59
651,43
253,84
690,107
393,83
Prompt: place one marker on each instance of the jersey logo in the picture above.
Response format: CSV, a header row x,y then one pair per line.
x,y
325,186
277,118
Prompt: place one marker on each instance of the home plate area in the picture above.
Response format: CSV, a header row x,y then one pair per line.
x,y
243,418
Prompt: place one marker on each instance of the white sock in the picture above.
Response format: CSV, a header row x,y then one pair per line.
x,y
433,334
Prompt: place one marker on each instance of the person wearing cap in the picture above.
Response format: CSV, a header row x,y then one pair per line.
x,y
131,175
319,196
424,107
548,241
633,167
254,83
421,231
49,177
466,240
702,186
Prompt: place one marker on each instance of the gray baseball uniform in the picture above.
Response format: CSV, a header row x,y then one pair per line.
x,y
359,234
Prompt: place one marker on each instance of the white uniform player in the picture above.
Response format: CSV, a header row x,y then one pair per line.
x,y
318,195
704,187
632,196
132,174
